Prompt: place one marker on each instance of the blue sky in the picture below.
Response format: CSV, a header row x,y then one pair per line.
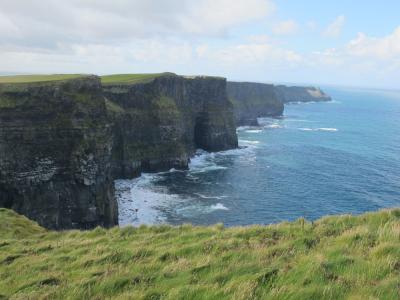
x,y
351,43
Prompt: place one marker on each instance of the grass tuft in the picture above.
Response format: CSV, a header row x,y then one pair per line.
x,y
336,257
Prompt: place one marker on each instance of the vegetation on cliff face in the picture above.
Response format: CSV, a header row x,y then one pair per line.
x,y
343,257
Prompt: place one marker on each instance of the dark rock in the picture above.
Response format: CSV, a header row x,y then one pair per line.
x,y
62,143
55,151
160,124
253,100
289,94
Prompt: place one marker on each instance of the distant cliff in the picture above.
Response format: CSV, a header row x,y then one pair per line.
x,y
253,100
300,94
64,141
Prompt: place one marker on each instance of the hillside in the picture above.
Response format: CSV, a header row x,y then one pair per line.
x,y
333,258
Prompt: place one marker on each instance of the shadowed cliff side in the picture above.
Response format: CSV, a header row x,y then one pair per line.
x,y
300,94
253,100
65,138
55,151
160,122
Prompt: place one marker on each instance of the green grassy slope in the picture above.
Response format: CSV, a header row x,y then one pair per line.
x,y
130,78
343,257
38,78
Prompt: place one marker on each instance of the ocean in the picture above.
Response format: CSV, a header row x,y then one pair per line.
x,y
319,159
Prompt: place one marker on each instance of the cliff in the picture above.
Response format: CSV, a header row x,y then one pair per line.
x,y
55,151
253,100
161,122
64,141
300,94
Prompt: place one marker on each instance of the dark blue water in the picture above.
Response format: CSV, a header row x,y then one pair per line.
x,y
319,159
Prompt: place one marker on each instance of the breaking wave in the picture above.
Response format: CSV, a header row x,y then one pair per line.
x,y
318,129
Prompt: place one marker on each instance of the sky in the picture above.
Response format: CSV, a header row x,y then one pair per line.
x,y
348,43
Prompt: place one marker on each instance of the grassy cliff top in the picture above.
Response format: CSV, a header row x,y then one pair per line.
x,y
38,78
338,257
131,78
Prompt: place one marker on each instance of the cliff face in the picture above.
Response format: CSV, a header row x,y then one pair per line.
x,y
253,100
160,123
62,143
300,94
55,151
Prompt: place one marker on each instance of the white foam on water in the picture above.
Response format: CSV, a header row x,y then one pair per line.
x,y
202,162
200,209
218,206
270,123
139,201
249,142
274,126
210,197
319,129
254,130
244,128
327,129
142,201
306,129
333,102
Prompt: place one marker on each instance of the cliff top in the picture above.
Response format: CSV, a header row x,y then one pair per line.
x,y
145,77
39,78
336,257
132,78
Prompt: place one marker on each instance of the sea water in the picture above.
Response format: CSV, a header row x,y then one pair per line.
x,y
319,159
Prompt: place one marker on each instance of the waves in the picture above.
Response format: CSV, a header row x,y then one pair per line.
x,y
218,206
201,191
318,129
248,142
147,200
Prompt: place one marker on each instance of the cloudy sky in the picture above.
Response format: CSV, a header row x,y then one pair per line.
x,y
354,43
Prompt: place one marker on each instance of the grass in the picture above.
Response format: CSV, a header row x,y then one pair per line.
x,y
337,257
130,78
38,78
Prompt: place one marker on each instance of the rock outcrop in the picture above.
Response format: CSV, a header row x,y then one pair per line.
x,y
300,94
62,143
55,150
160,123
253,100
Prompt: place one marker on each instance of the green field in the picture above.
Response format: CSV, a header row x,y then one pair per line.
x,y
338,257
130,78
38,78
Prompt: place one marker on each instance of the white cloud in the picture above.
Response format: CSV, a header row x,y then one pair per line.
x,y
250,54
285,27
335,28
385,48
47,22
364,60
261,38
217,16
